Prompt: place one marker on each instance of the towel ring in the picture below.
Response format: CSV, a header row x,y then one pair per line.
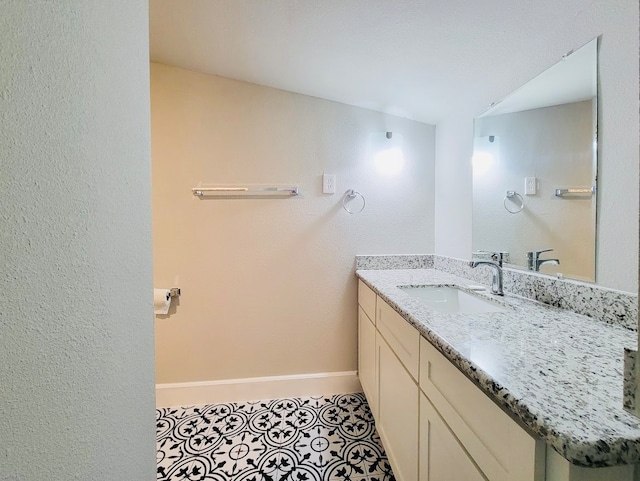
x,y
516,198
352,194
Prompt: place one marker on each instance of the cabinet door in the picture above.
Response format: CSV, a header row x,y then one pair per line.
x,y
367,360
442,458
500,447
397,420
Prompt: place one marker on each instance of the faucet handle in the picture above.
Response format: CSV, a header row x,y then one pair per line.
x,y
537,253
497,257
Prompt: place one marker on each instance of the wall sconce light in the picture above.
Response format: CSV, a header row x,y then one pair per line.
x,y
482,162
386,152
485,154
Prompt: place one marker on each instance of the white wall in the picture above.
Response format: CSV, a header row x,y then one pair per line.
x,y
617,245
76,338
268,285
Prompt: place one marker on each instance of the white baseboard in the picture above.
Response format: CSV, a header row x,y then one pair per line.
x,y
256,388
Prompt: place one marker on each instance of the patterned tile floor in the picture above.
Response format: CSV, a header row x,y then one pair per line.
x,y
298,439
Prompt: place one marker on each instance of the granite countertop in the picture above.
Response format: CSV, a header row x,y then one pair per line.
x,y
557,372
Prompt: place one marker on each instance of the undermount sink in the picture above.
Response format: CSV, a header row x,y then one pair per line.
x,y
452,299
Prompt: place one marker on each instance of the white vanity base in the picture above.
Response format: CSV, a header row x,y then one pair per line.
x,y
435,424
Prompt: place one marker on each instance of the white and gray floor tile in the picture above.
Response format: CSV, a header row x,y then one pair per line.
x,y
329,438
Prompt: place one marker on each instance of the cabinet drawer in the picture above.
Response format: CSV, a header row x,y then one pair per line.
x,y
367,300
401,336
500,447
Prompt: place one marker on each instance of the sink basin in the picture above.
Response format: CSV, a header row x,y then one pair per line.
x,y
452,299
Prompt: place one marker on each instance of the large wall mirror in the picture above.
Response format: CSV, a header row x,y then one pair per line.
x,y
535,171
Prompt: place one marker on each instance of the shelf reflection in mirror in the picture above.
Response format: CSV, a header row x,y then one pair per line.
x,y
540,139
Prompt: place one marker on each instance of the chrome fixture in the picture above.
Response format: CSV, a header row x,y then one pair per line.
x,y
245,191
351,195
516,199
499,257
534,262
496,275
571,192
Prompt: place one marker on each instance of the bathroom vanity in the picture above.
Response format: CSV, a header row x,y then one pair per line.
x,y
508,389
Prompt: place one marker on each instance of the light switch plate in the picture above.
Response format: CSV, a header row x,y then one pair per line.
x,y
530,185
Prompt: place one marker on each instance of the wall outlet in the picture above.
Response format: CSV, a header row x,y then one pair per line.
x,y
530,185
328,184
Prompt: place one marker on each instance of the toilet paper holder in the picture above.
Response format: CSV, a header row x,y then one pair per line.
x,y
174,292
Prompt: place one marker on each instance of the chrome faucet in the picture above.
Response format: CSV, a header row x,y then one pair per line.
x,y
534,262
496,278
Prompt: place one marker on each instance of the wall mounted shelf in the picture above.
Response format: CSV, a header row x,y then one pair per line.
x,y
244,191
588,192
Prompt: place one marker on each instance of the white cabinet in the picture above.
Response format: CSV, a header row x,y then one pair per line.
x,y
442,458
388,361
367,300
401,336
367,360
397,413
436,424
498,445
367,350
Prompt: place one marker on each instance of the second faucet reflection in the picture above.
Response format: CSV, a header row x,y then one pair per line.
x,y
534,262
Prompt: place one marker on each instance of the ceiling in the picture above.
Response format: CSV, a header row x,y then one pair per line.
x,y
417,59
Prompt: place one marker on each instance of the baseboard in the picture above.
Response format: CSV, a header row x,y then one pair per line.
x,y
255,388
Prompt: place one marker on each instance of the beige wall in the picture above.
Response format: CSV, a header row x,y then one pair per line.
x,y
268,284
76,323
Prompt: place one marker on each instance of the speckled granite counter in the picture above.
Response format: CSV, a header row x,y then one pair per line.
x,y
557,372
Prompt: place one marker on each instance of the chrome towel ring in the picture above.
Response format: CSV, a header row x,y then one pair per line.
x,y
513,198
352,194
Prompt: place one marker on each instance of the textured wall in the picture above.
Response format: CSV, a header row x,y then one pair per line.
x,y
617,22
76,332
268,284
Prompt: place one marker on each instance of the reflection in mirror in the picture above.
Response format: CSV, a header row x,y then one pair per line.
x,y
535,169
